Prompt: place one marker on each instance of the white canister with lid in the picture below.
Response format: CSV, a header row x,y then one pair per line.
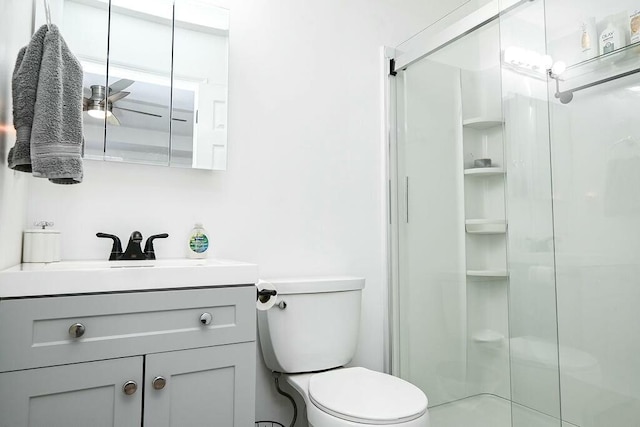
x,y
41,244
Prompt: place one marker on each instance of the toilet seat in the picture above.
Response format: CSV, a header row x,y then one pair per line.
x,y
363,396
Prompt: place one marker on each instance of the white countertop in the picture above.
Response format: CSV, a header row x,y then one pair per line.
x,y
80,277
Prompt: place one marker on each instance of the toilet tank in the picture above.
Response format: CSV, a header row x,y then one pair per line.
x,y
319,327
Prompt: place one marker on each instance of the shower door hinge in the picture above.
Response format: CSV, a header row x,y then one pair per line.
x,y
392,67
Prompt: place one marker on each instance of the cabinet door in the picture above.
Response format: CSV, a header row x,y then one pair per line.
x,y
212,386
78,395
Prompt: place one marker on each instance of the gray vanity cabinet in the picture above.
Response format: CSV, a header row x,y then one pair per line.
x,y
186,356
200,387
78,395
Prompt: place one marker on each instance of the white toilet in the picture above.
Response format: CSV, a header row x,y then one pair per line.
x,y
310,334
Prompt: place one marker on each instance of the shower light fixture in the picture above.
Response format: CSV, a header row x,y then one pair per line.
x,y
558,68
526,60
547,62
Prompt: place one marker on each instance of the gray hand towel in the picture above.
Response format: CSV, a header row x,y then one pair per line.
x,y
56,136
24,87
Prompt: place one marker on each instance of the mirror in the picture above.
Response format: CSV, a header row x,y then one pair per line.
x,y
155,79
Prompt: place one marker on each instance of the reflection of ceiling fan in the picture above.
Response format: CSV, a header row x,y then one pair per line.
x,y
99,101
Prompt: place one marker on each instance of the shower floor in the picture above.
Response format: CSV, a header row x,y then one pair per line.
x,y
487,410
475,411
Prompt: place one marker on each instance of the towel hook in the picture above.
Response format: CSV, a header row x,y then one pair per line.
x,y
47,13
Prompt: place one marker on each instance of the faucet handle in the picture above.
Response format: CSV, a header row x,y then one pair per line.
x,y
116,249
148,246
136,237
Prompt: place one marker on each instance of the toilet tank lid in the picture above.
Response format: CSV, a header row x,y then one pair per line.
x,y
316,284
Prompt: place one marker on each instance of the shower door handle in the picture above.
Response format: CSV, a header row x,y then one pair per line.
x,y
406,195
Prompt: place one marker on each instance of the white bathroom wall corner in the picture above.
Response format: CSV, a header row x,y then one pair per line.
x,y
15,31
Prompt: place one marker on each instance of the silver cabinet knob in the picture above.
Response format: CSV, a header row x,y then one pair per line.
x,y
130,387
76,330
206,318
159,382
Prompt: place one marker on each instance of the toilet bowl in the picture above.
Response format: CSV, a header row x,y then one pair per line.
x,y
309,337
359,397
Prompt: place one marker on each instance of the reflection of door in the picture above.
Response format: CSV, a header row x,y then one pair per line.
x,y
210,131
82,394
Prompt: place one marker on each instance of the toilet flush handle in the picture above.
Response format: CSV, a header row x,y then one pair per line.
x,y
264,295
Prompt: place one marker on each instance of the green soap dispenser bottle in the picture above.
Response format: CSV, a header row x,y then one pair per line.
x,y
198,242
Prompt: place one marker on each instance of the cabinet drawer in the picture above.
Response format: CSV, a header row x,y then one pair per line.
x,y
36,331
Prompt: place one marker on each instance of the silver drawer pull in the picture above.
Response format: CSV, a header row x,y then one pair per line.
x,y
159,382
206,318
130,387
76,330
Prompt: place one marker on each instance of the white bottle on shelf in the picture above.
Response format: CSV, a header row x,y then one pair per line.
x,y
634,26
611,38
588,39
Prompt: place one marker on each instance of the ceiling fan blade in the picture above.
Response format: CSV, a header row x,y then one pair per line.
x,y
117,96
120,85
113,120
139,112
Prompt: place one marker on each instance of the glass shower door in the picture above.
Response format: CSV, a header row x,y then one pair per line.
x,y
476,323
595,140
533,340
452,301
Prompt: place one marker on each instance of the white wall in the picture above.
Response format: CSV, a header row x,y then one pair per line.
x,y
305,188
15,30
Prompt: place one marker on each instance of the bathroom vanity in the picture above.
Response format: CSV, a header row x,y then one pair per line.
x,y
161,343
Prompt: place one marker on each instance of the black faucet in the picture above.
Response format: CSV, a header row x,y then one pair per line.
x,y
133,251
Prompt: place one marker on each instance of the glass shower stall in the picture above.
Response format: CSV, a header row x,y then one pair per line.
x,y
515,221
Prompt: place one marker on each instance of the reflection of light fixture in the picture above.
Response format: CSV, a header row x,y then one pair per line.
x,y
100,106
97,111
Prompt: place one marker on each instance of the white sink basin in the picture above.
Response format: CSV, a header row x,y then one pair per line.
x,y
78,277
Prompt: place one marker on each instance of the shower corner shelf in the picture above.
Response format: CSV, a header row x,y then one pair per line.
x,y
488,336
488,273
482,123
485,226
491,171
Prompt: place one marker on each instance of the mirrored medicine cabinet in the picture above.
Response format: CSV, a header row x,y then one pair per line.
x,y
155,78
